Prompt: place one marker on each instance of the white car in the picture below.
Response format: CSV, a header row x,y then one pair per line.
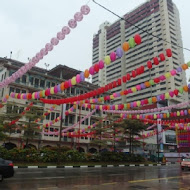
x,y
185,163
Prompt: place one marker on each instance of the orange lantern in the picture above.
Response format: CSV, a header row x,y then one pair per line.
x,y
62,86
147,84
86,73
128,106
184,66
185,88
154,99
122,93
126,46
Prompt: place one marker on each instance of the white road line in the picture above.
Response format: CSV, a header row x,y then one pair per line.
x,y
37,172
115,174
58,177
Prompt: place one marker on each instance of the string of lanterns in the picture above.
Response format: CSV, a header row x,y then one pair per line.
x,y
48,47
79,77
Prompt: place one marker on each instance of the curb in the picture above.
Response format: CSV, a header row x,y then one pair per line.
x,y
95,166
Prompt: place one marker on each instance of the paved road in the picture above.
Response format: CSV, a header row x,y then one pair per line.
x,y
125,178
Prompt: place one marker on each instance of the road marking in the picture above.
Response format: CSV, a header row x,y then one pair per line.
x,y
43,188
40,172
81,185
58,177
115,174
156,179
109,183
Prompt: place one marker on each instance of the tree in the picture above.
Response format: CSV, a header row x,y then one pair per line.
x,y
31,128
29,112
100,134
132,128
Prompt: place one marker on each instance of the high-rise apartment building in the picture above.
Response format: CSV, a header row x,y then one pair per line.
x,y
157,17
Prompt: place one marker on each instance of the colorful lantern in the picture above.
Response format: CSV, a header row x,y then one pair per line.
x,y
125,46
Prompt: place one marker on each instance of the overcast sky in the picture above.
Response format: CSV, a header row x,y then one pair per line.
x,y
27,25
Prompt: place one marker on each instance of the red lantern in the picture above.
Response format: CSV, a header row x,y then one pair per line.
x,y
169,52
66,84
114,84
176,92
146,101
30,96
18,97
128,77
157,80
162,57
149,64
124,78
155,60
142,69
137,39
133,73
119,82
125,92
96,67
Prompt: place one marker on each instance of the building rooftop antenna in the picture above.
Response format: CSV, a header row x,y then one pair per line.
x,y
46,65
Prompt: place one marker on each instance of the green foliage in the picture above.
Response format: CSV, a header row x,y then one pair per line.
x,y
47,155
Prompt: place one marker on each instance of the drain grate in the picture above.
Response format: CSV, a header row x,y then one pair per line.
x,y
139,187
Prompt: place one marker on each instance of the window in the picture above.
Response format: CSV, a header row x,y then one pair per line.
x,y
24,79
15,109
23,91
72,91
17,90
57,115
52,116
36,82
48,84
21,109
2,77
11,90
31,79
42,83
47,117
9,109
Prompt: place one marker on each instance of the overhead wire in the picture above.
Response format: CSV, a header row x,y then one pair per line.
x,y
105,8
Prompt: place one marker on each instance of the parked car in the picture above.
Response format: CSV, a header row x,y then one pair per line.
x,y
185,163
6,169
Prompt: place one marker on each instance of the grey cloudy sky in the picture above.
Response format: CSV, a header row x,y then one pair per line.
x,y
27,25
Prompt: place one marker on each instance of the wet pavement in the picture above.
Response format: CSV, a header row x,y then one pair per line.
x,y
121,178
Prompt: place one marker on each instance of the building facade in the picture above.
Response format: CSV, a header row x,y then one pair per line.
x,y
158,19
37,79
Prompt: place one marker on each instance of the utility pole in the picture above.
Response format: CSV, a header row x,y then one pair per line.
x,y
158,146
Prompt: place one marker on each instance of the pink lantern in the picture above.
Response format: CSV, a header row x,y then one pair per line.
x,y
91,70
39,56
138,87
85,9
48,47
113,56
171,93
173,72
60,36
54,41
78,16
66,30
101,64
78,78
43,52
72,23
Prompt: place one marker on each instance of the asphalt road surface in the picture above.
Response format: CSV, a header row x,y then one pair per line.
x,y
117,178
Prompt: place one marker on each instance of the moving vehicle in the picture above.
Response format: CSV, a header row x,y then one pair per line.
x,y
185,163
6,169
